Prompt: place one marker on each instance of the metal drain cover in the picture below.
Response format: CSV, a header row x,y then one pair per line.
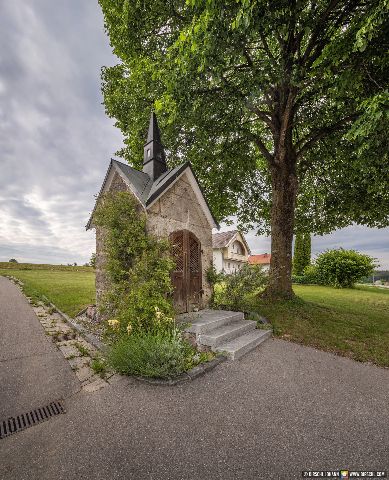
x,y
25,420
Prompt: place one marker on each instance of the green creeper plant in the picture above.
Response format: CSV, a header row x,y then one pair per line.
x,y
138,266
282,107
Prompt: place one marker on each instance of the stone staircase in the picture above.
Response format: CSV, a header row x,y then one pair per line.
x,y
224,331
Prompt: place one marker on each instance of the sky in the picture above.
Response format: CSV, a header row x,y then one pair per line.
x,y
56,141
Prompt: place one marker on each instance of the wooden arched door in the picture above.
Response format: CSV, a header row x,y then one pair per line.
x,y
187,275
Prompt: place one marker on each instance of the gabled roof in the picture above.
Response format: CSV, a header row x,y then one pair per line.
x,y
262,259
224,239
140,181
147,191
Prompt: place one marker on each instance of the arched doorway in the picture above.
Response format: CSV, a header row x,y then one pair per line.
x,y
187,275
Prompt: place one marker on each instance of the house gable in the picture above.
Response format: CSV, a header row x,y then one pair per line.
x,y
115,181
170,180
180,204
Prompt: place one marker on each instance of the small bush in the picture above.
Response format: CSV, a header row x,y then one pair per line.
x,y
246,281
309,276
152,355
343,268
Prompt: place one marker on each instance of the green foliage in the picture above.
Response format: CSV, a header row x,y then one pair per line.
x,y
249,280
13,260
159,355
308,277
343,268
302,253
222,74
92,261
99,366
213,278
138,265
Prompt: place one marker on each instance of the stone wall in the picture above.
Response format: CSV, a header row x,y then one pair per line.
x,y
178,209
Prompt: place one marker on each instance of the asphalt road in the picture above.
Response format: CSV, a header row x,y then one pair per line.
x,y
279,410
33,371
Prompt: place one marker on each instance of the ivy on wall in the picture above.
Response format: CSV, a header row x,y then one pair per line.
x,y
138,266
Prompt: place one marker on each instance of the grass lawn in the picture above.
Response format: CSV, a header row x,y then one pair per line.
x,y
350,322
69,288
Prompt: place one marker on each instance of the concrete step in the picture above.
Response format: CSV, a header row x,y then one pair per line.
x,y
238,347
208,320
226,333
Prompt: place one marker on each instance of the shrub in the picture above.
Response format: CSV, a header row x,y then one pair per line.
x,y
343,268
309,276
246,281
158,355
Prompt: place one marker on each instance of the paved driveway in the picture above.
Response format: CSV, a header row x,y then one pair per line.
x,y
281,409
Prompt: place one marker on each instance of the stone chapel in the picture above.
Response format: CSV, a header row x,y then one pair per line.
x,y
175,208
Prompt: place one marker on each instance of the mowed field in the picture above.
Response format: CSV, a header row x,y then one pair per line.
x,y
349,322
69,288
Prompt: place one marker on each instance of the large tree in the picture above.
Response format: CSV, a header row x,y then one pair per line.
x,y
282,107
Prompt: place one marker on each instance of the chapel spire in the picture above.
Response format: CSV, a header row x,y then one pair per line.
x,y
154,160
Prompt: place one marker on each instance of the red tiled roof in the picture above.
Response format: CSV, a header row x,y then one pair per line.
x,y
263,258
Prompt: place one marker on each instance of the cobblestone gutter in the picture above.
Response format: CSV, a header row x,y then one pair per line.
x,y
75,349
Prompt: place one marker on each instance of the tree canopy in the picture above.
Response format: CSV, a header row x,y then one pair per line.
x,y
282,107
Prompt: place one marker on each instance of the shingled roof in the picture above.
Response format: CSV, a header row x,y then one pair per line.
x,y
145,189
222,239
148,185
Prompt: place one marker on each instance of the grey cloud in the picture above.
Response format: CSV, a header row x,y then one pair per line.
x,y
56,142
55,138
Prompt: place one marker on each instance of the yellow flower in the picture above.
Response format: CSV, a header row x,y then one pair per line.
x,y
129,329
114,323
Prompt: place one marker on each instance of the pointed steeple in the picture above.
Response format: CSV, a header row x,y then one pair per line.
x,y
154,160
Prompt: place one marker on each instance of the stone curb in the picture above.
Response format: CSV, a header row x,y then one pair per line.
x,y
192,374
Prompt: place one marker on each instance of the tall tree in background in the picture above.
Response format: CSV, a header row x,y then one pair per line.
x,y
302,252
307,249
282,107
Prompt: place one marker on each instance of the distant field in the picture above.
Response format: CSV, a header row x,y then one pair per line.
x,y
69,288
42,266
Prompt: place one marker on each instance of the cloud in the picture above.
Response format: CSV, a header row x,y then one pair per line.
x,y
56,140
371,241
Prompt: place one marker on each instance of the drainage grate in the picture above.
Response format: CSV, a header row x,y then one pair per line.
x,y
25,420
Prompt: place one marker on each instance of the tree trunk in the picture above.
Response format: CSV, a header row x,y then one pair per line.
x,y
284,192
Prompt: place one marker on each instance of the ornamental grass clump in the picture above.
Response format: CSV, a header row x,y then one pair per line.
x,y
157,355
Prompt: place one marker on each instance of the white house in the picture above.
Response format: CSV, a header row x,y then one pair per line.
x,y
230,251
